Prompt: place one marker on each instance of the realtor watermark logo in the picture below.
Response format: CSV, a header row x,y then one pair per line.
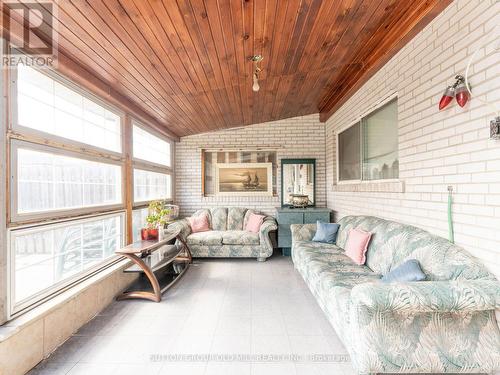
x,y
30,30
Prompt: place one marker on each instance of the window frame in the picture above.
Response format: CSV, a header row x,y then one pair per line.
x,y
151,166
15,309
16,127
360,120
355,181
139,161
16,133
139,204
17,217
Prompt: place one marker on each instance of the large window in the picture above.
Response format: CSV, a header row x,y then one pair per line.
x,y
152,166
149,186
50,255
68,162
46,105
151,148
368,150
45,181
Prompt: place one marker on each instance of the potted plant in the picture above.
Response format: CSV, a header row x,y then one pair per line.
x,y
156,220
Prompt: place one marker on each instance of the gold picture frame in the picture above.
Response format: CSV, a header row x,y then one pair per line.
x,y
244,179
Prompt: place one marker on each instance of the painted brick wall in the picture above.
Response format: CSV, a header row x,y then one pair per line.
x,y
437,149
298,137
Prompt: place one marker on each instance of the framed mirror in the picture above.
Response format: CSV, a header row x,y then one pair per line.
x,y
298,183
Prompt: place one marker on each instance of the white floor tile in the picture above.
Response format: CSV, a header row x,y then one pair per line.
x,y
273,369
302,325
231,344
271,345
48,367
92,369
228,369
268,324
192,344
237,308
183,369
234,325
137,369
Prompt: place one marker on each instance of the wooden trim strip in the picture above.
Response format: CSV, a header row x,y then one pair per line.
x,y
67,146
128,180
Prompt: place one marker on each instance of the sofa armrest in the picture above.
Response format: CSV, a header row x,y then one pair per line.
x,y
303,232
267,226
427,296
183,226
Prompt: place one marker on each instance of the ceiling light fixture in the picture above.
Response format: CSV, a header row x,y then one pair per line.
x,y
255,76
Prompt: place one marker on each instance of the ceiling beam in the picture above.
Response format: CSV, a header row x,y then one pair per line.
x,y
379,54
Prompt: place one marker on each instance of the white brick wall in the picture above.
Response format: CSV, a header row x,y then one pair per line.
x,y
298,137
437,149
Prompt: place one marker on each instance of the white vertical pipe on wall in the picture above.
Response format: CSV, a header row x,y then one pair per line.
x,y
3,197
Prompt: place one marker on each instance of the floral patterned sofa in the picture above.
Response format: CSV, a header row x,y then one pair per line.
x,y
445,324
227,237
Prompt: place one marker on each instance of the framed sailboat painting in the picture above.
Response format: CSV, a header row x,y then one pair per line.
x,y
244,179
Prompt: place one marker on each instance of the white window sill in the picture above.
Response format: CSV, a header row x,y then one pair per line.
x,y
380,186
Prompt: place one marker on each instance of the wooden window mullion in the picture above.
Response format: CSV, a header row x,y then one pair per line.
x,y
128,183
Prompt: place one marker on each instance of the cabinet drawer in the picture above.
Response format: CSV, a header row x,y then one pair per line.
x,y
312,217
291,218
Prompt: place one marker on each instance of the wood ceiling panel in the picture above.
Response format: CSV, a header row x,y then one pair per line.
x,y
185,63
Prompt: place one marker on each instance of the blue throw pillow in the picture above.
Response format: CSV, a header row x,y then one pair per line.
x,y
408,271
326,232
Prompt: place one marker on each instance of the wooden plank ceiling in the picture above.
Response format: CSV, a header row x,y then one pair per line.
x,y
186,63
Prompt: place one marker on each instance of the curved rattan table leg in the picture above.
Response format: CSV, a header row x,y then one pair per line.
x,y
154,296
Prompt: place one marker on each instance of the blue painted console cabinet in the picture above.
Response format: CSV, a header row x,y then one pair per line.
x,y
286,216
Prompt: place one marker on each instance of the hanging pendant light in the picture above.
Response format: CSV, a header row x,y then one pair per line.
x,y
255,86
461,92
255,76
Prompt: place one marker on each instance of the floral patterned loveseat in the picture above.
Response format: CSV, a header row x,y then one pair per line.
x,y
445,324
227,237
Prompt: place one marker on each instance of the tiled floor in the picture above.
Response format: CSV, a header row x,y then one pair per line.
x,y
219,308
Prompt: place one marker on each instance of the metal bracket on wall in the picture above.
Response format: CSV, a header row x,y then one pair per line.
x,y
495,128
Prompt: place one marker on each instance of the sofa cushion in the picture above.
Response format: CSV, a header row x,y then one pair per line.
x,y
206,213
408,271
240,237
219,218
326,232
199,223
247,216
254,222
235,218
357,245
211,237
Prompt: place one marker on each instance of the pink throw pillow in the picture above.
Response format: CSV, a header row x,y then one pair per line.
x,y
254,222
199,223
357,244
